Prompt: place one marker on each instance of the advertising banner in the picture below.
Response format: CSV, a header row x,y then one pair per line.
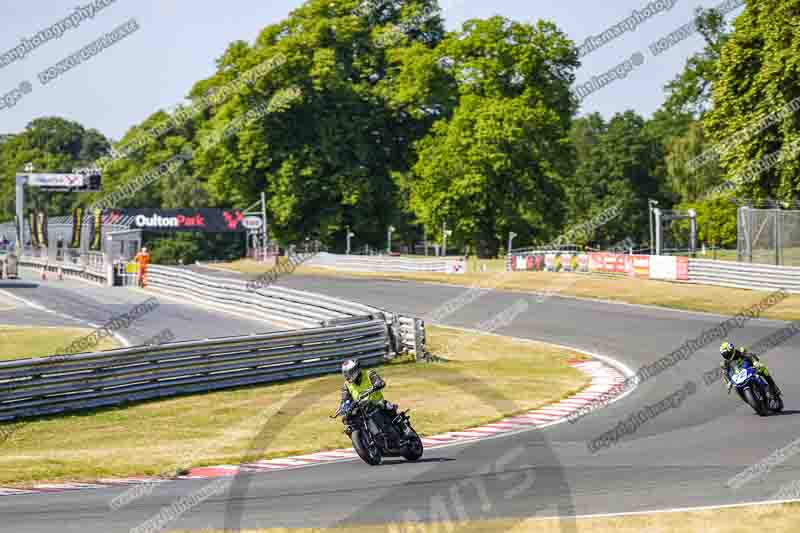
x,y
637,265
682,268
663,267
583,263
550,262
32,222
456,267
520,262
618,262
608,263
55,180
200,219
77,223
596,262
566,262
97,231
41,220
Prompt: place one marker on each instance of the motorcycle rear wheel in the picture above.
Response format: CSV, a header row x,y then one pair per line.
x,y
777,404
370,455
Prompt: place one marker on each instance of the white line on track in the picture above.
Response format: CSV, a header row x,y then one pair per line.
x,y
677,509
26,302
122,340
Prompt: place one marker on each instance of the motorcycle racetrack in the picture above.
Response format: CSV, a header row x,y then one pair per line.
x,y
684,454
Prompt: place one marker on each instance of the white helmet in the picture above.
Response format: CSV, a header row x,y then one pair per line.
x,y
351,369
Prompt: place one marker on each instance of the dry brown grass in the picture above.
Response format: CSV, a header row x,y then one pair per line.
x,y
771,518
19,342
162,437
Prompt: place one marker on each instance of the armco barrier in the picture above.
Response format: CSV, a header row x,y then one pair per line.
x,y
744,275
289,307
57,384
69,270
368,263
293,308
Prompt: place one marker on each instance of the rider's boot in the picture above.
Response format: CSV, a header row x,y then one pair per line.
x,y
774,391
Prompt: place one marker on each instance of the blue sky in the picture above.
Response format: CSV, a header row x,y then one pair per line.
x,y
178,40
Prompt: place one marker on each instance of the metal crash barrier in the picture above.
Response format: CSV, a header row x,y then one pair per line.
x,y
58,384
330,331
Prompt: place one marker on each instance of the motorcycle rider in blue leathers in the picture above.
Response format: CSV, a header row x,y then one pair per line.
x,y
732,356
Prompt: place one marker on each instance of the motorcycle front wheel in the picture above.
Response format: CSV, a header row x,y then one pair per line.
x,y
413,450
756,401
369,454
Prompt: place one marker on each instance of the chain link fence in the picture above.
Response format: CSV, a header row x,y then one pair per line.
x,y
768,236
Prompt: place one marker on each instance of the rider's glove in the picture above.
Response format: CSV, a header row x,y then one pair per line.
x,y
346,406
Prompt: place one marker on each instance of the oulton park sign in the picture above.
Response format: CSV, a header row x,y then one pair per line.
x,y
201,219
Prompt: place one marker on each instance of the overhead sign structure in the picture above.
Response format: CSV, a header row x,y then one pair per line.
x,y
60,181
252,223
200,219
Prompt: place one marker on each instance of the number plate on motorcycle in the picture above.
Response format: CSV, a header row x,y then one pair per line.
x,y
741,376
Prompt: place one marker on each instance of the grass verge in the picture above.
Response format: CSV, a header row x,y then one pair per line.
x,y
690,297
783,517
164,437
19,342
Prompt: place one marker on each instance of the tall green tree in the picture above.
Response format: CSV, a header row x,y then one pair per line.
x,y
759,74
51,144
618,168
497,163
690,91
328,159
691,182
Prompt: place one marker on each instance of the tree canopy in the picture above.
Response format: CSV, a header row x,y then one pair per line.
x,y
365,114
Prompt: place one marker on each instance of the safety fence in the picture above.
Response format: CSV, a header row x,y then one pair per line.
x,y
58,384
660,267
86,272
768,236
289,307
744,275
366,263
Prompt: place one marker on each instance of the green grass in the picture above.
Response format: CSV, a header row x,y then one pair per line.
x,y
164,437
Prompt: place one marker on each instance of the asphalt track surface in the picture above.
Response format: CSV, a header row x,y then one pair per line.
x,y
75,303
681,458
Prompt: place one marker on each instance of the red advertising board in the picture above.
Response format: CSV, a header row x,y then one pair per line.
x,y
637,265
610,263
682,268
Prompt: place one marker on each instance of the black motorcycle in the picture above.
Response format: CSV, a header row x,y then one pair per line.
x,y
375,434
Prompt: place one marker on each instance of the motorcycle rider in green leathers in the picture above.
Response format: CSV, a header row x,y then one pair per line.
x,y
358,380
